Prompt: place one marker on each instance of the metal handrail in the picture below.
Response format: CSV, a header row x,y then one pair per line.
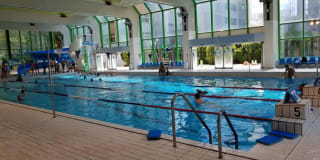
x,y
219,132
173,118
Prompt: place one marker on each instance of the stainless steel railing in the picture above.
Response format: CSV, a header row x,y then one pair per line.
x,y
204,124
173,118
219,132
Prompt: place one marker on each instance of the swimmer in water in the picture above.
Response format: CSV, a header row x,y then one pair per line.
x,y
100,79
22,92
36,81
201,101
197,96
84,77
91,79
19,98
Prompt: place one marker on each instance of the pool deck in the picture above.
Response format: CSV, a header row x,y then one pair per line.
x,y
31,133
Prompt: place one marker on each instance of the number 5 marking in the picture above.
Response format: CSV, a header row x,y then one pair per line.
x,y
297,111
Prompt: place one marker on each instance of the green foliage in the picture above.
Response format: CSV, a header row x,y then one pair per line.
x,y
246,52
206,54
125,57
241,52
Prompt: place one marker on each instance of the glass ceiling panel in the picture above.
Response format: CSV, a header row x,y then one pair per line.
x,y
197,1
164,6
142,8
111,18
153,6
101,19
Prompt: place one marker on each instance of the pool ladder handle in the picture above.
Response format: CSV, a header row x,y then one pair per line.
x,y
222,112
204,124
173,118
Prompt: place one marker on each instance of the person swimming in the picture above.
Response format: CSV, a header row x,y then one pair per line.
x,y
208,104
197,96
36,81
19,98
19,79
84,77
91,79
100,79
22,92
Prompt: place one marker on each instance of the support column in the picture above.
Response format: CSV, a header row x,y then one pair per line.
x,y
135,41
189,32
271,35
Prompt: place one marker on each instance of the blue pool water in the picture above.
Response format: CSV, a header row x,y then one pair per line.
x,y
152,90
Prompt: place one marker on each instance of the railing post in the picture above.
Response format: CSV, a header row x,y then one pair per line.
x,y
195,112
173,122
50,79
219,135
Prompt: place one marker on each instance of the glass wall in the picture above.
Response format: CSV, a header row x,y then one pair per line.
x,y
204,17
161,28
21,44
299,26
220,15
113,32
4,55
226,15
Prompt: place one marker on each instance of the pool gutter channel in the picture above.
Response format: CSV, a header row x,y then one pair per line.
x,y
209,147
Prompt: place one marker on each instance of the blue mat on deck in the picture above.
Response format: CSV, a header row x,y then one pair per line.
x,y
269,140
284,134
154,134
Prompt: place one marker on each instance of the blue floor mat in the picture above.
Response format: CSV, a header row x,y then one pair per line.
x,y
269,140
154,134
284,134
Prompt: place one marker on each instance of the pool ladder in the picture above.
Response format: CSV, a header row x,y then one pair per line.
x,y
204,124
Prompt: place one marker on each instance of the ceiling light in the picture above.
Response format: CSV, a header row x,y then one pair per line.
x,y
311,23
317,22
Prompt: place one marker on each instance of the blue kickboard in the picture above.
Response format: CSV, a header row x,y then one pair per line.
x,y
284,134
269,140
154,134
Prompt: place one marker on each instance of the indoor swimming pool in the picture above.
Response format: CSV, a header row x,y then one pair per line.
x,y
144,102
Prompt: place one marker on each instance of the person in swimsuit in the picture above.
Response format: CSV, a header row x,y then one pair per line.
x,y
289,72
197,96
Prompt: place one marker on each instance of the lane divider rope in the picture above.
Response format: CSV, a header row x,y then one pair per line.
x,y
145,105
190,94
204,86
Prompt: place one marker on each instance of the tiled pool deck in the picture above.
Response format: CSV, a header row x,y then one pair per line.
x,y
31,133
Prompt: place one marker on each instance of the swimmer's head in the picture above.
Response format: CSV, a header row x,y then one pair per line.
x,y
36,81
84,77
91,79
197,96
100,79
22,91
